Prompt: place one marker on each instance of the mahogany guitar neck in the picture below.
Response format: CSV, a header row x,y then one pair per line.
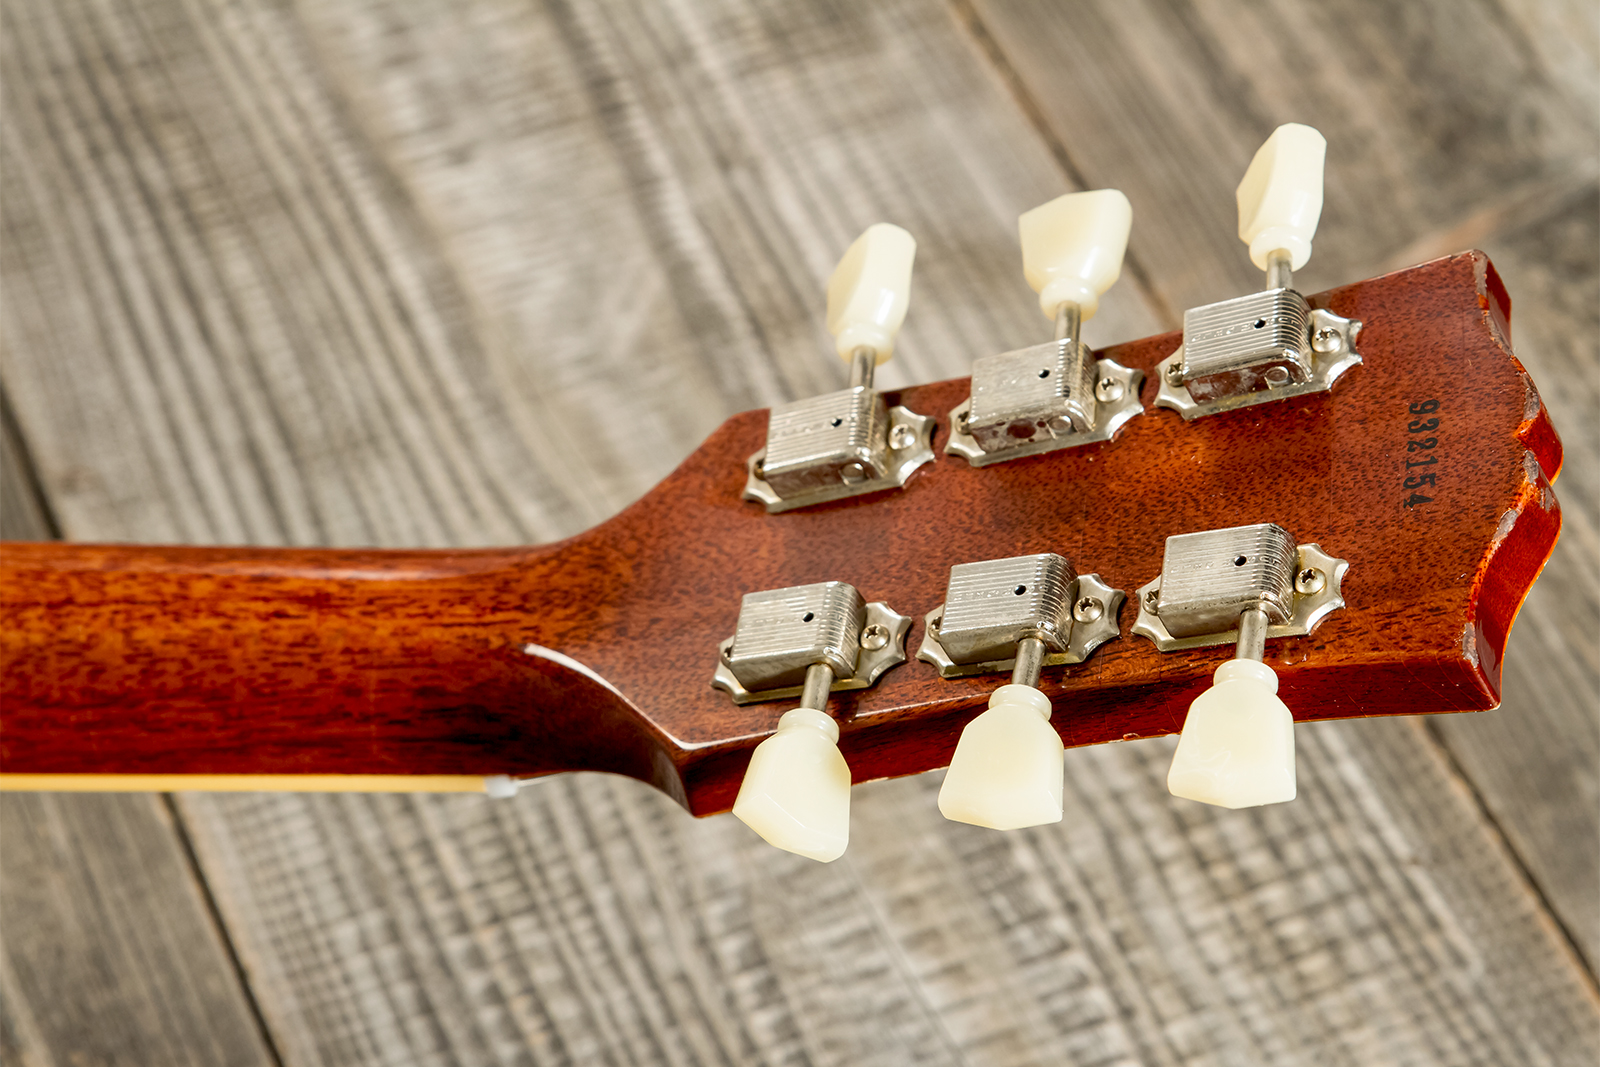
x,y
353,666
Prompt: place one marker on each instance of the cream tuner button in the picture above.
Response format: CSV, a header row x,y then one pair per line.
x,y
1270,345
796,793
1280,198
849,442
870,291
1015,614
1072,248
805,641
1242,584
1237,745
1008,766
1056,394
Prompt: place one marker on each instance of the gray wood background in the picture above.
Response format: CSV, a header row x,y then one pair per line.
x,y
358,272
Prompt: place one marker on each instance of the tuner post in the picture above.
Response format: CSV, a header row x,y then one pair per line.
x,y
818,684
1272,344
1252,642
863,366
1280,273
1018,614
1030,661
1069,320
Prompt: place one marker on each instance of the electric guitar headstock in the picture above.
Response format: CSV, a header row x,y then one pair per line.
x,y
1347,501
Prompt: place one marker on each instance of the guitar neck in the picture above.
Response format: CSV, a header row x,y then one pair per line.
x,y
262,668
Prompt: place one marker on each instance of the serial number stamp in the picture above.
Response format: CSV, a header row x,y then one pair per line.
x,y
1421,454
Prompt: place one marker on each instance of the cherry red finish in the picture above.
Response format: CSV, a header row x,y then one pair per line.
x,y
597,652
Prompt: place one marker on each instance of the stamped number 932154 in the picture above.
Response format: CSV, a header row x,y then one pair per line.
x,y
1422,457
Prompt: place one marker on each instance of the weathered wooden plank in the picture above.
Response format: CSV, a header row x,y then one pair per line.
x,y
344,282
24,513
24,516
1136,932
110,955
1449,126
344,273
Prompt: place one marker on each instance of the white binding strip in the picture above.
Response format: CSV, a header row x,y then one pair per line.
x,y
503,786
571,664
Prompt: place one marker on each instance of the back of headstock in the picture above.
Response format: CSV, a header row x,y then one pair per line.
x,y
1430,594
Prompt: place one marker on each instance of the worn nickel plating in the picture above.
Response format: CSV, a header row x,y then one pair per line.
x,y
1254,349
1020,614
783,634
1042,398
1211,580
838,445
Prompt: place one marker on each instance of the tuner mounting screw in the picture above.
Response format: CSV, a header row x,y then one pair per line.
x,y
902,437
874,637
1175,373
1309,581
1108,390
1151,599
1326,340
1088,609
761,468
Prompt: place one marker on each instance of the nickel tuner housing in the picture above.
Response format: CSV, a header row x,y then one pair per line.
x,y
849,442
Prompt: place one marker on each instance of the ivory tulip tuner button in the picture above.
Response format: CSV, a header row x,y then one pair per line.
x,y
870,291
1072,248
1017,614
1008,766
806,640
1243,585
1270,345
796,792
1237,745
1280,197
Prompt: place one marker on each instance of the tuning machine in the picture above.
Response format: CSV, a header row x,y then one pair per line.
x,y
1055,395
805,641
1269,345
993,606
1209,579
1243,586
1019,614
781,633
849,442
